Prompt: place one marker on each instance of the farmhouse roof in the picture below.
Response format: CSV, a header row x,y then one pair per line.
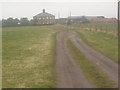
x,y
43,14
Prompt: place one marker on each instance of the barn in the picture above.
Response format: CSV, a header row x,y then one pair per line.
x,y
44,18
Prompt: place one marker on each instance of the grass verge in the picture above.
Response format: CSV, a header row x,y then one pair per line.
x,y
95,76
102,42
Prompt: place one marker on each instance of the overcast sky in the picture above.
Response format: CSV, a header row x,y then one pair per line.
x,y
29,9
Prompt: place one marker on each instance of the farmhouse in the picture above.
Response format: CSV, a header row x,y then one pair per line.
x,y
44,18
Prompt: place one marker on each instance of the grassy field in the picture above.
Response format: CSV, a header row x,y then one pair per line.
x,y
28,57
97,77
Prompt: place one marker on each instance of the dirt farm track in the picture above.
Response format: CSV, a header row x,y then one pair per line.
x,y
69,74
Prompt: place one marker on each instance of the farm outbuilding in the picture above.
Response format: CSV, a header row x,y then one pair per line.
x,y
104,20
44,18
77,19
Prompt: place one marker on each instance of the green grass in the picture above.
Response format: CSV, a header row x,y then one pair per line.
x,y
104,43
28,57
97,77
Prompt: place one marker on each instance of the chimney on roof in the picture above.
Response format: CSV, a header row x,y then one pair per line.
x,y
43,10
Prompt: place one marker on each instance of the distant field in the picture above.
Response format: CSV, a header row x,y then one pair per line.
x,y
28,57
